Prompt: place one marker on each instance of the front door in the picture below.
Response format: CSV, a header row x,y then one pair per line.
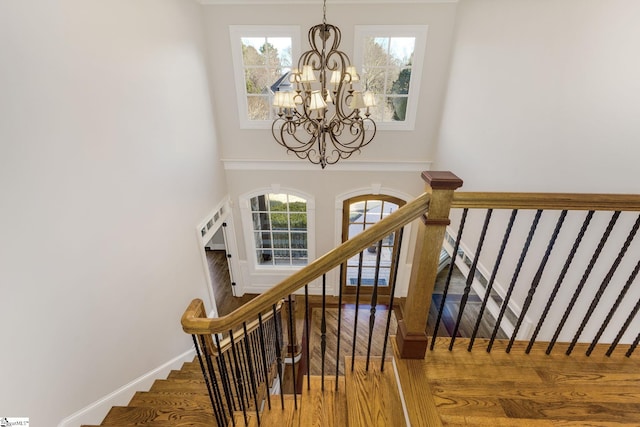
x,y
360,213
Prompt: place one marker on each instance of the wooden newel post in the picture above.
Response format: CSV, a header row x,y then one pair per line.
x,y
411,336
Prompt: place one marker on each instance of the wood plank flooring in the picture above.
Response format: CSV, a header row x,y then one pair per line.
x,y
373,398
515,389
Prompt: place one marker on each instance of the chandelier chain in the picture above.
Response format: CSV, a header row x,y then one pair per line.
x,y
324,12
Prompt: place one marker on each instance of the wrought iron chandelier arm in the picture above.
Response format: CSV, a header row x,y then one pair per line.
x,y
324,125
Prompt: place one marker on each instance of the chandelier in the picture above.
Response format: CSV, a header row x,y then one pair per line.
x,y
324,118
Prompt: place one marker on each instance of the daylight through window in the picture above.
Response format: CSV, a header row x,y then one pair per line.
x,y
262,57
391,59
280,229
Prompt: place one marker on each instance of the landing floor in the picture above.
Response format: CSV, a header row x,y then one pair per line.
x,y
499,389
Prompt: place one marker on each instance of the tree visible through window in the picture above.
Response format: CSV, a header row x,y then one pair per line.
x,y
265,60
280,229
387,72
262,56
391,59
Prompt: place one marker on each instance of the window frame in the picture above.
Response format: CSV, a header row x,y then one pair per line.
x,y
248,229
419,32
236,33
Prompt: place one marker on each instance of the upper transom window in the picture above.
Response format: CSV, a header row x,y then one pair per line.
x,y
391,58
262,55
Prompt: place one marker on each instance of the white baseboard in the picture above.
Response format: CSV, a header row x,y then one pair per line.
x,y
96,411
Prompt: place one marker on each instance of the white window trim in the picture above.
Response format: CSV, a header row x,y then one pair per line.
x,y
236,32
247,227
420,34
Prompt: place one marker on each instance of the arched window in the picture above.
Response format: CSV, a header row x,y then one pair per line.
x,y
279,224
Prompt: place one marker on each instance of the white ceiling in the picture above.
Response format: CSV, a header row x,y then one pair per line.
x,y
268,2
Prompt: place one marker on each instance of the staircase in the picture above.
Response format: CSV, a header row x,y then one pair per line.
x,y
540,376
361,399
456,388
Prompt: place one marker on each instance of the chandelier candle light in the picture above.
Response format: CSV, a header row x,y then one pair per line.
x,y
324,119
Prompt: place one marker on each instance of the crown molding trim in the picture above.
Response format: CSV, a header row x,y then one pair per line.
x,y
343,165
271,2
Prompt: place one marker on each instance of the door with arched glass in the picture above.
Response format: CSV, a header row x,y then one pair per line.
x,y
360,213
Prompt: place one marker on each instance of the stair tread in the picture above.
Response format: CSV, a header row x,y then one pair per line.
x,y
278,417
373,398
252,420
182,401
126,415
328,408
185,386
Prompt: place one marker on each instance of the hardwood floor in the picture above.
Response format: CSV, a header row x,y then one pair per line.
x,y
221,282
451,309
514,389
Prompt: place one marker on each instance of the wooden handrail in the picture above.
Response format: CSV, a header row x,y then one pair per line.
x,y
554,201
196,311
192,324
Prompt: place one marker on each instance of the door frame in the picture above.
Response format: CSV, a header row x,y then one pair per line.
x,y
221,216
397,244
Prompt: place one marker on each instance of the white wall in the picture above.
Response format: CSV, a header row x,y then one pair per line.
x,y
108,160
407,149
327,187
414,145
543,96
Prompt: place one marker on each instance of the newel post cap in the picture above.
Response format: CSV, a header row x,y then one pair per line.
x,y
441,180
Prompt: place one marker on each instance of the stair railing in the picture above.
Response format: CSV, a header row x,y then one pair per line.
x,y
543,268
230,376
433,208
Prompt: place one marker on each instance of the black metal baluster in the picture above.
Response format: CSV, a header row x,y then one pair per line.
x,y
263,354
536,279
339,328
257,360
292,346
487,292
323,329
219,413
239,378
245,370
633,346
374,302
561,277
604,285
229,363
278,353
583,280
470,277
624,328
505,302
454,255
614,308
391,297
355,324
306,332
251,375
226,385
